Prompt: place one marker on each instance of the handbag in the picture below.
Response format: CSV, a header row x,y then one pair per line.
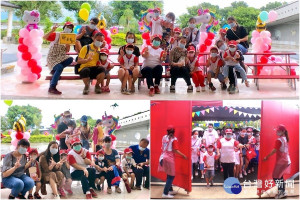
x,y
250,154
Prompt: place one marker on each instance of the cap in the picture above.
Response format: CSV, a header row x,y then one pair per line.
x,y
101,151
228,131
105,51
222,30
33,150
281,127
249,129
214,47
128,150
170,127
157,36
177,30
232,42
98,121
75,140
69,24
67,113
211,145
129,45
191,48
63,151
158,9
83,118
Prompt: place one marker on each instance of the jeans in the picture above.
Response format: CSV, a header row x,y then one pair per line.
x,y
242,49
280,184
146,173
168,184
238,68
18,185
232,76
177,72
139,176
86,182
220,76
150,73
85,144
228,169
58,69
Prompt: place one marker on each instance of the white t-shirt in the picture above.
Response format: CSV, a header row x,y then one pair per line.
x,y
128,164
195,146
210,137
201,157
156,27
228,153
210,160
154,57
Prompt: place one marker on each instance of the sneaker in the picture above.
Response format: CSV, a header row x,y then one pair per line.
x,y
53,90
212,183
129,92
128,188
123,91
156,89
224,86
86,90
245,173
93,193
207,186
88,196
167,196
107,89
198,89
37,196
190,89
172,88
138,187
98,187
151,92
56,197
232,90
212,87
203,88
118,190
109,190
62,192
172,192
70,192
30,196
247,83
202,176
229,88
11,197
133,188
241,175
236,89
281,195
98,89
21,196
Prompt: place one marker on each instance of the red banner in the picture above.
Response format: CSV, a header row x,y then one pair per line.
x,y
274,113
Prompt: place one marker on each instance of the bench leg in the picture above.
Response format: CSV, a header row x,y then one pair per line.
x,y
257,84
139,83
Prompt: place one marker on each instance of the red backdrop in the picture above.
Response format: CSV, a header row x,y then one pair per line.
x,y
178,114
274,113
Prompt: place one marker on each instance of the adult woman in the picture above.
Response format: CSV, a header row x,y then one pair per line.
x,y
243,139
98,135
113,159
167,160
50,167
226,145
13,171
196,141
79,159
152,66
85,132
57,59
283,160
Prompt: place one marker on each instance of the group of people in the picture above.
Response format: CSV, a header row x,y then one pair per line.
x,y
70,159
169,44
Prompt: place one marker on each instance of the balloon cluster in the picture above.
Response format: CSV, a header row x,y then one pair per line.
x,y
84,11
206,41
264,17
18,132
29,54
146,39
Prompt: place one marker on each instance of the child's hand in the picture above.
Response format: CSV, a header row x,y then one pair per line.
x,y
105,169
83,31
110,168
82,155
55,26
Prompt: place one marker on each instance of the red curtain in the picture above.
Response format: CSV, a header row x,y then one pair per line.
x,y
274,113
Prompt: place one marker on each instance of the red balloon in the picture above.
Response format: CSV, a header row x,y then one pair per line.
x,y
273,58
32,63
23,48
113,138
108,40
148,42
19,135
210,35
268,52
104,32
21,40
208,42
203,48
269,47
146,35
57,137
39,75
36,69
264,59
26,56
109,46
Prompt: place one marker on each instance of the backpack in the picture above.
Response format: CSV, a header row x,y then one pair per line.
x,y
77,66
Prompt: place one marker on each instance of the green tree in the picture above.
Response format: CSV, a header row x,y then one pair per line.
x,y
74,6
32,115
237,4
4,123
47,9
107,11
272,6
128,21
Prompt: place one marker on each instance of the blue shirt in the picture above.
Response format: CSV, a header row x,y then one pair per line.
x,y
137,156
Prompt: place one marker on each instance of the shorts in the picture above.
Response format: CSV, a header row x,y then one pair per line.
x,y
209,173
100,175
91,72
130,72
107,72
201,166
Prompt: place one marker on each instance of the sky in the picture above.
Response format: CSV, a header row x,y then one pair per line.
x,y
93,108
181,8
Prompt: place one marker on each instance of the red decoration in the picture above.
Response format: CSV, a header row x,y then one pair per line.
x,y
148,42
19,135
26,56
264,59
104,32
207,42
36,69
21,40
109,46
203,48
146,36
23,48
39,75
108,40
32,63
210,35
113,138
269,47
57,137
268,52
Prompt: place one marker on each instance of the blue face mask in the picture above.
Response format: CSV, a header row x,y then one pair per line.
x,y
228,136
156,14
232,25
181,45
22,150
156,43
77,148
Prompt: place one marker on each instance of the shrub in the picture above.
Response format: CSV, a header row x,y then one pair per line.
x,y
119,39
32,139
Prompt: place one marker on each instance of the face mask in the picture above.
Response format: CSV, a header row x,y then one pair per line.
x,y
22,150
243,134
103,57
232,49
129,52
181,45
168,19
92,26
77,148
223,47
213,55
67,30
130,40
100,158
195,136
128,157
53,151
98,43
107,145
141,148
156,14
203,149
83,123
156,43
228,136
210,149
176,36
210,129
249,133
232,25
192,25
67,120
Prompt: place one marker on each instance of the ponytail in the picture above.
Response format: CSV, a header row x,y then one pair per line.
x,y
286,135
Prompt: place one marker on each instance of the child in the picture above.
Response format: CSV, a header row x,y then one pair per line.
x,y
156,23
168,24
65,169
71,132
101,168
201,161
196,73
34,172
129,165
209,160
214,64
128,71
238,166
231,57
174,41
107,66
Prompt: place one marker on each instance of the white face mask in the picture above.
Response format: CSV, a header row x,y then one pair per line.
x,y
98,43
192,25
92,26
130,40
223,47
232,25
141,148
67,30
181,45
243,134
156,14
232,49
210,149
213,55
168,19
103,57
101,158
53,151
129,52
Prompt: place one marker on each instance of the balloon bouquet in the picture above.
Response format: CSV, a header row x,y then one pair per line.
x,y
29,49
262,43
110,124
18,132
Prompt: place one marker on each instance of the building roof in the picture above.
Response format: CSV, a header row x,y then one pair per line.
x,y
9,5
